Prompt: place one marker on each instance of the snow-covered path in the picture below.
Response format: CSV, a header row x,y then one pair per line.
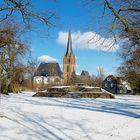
x,y
32,118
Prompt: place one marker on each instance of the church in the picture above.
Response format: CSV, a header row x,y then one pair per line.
x,y
50,73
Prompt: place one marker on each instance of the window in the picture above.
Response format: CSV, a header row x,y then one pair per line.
x,y
68,60
67,68
105,84
112,85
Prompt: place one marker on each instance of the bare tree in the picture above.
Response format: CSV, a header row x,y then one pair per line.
x,y
130,68
124,17
128,16
11,49
101,76
32,65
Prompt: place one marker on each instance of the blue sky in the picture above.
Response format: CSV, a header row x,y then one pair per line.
x,y
81,20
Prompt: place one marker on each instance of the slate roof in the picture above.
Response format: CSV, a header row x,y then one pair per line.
x,y
84,73
48,69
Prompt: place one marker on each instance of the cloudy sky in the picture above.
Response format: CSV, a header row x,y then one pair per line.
x,y
92,46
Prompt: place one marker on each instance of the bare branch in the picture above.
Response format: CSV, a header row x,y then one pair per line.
x,y
122,19
27,12
130,9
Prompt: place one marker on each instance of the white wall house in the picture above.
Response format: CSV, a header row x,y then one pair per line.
x,y
47,80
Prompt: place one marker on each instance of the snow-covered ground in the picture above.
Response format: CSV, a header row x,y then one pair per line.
x,y
23,117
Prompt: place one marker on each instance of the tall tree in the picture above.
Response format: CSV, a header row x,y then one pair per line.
x,y
125,25
11,48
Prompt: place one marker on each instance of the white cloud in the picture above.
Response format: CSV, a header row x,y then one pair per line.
x,y
47,58
88,40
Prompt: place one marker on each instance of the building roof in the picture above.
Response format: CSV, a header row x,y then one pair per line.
x,y
84,73
69,45
48,69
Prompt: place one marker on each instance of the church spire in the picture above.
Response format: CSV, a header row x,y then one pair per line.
x,y
69,61
69,45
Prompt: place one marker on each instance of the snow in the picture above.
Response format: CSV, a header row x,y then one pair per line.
x,y
23,117
87,92
90,87
60,87
105,91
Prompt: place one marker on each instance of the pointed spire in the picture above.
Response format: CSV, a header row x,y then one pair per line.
x,y
69,45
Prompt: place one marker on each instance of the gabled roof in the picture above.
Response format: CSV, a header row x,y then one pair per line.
x,y
48,69
69,45
84,73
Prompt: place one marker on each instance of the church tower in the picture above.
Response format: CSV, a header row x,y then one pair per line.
x,y
69,62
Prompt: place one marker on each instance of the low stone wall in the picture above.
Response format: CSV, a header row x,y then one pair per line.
x,y
48,94
75,95
74,92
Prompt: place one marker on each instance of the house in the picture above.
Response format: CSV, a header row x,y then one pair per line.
x,y
48,73
47,80
116,85
85,73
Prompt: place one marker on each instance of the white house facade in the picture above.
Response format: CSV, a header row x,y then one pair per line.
x,y
47,80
